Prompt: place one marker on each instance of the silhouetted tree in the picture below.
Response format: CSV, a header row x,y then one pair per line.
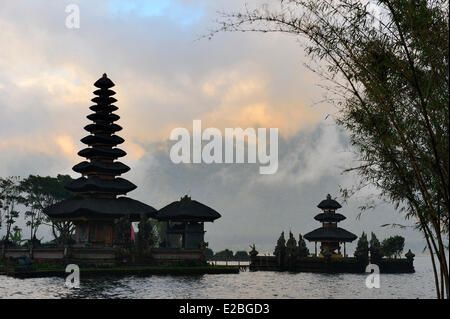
x,y
291,245
241,255
291,251
375,249
39,192
393,246
145,234
209,253
16,237
303,251
362,248
9,200
280,250
224,254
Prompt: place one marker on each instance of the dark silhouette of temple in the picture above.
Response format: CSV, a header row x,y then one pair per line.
x,y
101,213
184,223
330,235
292,256
97,205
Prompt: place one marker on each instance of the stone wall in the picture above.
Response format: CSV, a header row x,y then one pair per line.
x,y
337,265
168,255
38,253
92,255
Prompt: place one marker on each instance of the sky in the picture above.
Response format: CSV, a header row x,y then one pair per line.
x,y
166,76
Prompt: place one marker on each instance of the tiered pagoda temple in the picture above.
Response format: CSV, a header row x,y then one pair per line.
x,y
329,235
97,205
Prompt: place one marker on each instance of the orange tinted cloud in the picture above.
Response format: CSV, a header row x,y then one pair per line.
x,y
66,145
245,101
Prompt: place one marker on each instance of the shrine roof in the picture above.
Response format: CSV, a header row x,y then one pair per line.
x,y
330,233
187,209
99,207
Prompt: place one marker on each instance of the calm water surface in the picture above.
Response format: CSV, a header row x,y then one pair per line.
x,y
243,285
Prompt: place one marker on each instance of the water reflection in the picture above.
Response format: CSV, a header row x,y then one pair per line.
x,y
243,285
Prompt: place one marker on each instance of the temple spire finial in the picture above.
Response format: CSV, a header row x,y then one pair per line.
x,y
185,200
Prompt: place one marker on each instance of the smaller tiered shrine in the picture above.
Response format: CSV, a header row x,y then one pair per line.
x,y
329,235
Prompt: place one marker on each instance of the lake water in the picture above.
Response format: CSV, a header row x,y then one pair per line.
x,y
243,285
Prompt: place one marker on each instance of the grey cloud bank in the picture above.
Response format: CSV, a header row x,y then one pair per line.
x,y
256,208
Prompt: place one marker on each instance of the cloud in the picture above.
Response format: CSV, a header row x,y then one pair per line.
x,y
256,208
66,145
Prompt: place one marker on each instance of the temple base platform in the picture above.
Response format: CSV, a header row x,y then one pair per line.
x,y
107,256
329,265
93,262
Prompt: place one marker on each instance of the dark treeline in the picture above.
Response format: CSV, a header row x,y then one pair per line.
x,y
227,254
33,194
391,247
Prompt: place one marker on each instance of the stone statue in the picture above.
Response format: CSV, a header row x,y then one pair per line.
x,y
410,258
409,255
326,253
203,245
253,253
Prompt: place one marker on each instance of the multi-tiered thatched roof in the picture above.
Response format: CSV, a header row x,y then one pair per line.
x,y
99,186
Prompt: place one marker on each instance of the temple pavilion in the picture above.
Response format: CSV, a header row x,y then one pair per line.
x,y
100,201
184,223
329,235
